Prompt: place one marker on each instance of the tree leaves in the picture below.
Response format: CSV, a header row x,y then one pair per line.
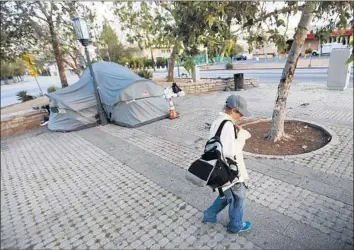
x,y
280,22
211,20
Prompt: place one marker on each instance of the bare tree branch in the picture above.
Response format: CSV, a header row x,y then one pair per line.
x,y
276,12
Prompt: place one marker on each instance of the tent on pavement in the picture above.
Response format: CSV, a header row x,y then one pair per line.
x,y
128,99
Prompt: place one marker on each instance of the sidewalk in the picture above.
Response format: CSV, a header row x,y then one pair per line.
x,y
113,188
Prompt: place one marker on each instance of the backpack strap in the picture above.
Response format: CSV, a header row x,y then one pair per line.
x,y
218,133
221,193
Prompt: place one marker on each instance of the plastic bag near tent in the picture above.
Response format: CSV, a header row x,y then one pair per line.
x,y
118,89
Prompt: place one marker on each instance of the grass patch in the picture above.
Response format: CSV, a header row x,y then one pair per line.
x,y
117,230
141,228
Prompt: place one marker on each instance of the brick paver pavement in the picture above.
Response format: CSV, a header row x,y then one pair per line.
x,y
60,191
77,190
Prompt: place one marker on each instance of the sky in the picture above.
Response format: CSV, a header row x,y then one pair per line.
x,y
105,11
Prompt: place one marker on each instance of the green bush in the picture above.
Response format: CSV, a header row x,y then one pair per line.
x,y
52,89
23,96
133,63
145,74
161,62
189,64
147,63
136,62
140,63
308,51
229,66
124,61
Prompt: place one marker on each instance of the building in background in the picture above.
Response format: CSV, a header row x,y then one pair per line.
x,y
336,39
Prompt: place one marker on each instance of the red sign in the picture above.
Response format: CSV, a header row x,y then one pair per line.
x,y
334,33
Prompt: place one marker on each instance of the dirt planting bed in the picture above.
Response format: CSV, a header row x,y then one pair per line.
x,y
303,138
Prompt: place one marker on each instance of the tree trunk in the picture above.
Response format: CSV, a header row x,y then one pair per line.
x,y
171,70
77,69
278,118
74,66
58,56
152,60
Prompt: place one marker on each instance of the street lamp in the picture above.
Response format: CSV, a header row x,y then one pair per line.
x,y
82,34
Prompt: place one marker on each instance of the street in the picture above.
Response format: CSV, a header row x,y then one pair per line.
x,y
303,75
8,92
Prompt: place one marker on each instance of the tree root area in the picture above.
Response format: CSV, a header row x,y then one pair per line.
x,y
299,138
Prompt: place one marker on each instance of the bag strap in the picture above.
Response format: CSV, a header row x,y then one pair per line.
x,y
218,133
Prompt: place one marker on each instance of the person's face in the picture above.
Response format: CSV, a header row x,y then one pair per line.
x,y
236,115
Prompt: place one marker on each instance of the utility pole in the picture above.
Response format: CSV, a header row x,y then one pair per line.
x,y
83,36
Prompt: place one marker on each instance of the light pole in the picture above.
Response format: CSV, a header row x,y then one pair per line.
x,y
83,36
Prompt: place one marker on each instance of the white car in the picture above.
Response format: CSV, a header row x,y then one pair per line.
x,y
327,48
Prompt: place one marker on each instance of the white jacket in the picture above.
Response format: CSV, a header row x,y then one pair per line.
x,y
232,148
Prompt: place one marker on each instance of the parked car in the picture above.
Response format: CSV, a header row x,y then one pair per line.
x,y
240,57
315,53
328,47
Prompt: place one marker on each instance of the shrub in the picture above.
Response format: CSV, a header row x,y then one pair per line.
x,y
159,62
308,51
229,66
189,64
164,63
133,63
52,89
147,63
140,62
145,74
123,61
23,96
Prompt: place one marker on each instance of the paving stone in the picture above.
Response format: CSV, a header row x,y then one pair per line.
x,y
234,246
156,246
248,245
170,246
149,243
163,242
136,244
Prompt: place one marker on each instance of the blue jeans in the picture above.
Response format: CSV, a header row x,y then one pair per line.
x,y
235,198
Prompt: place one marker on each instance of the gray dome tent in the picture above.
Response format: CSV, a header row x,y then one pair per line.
x,y
127,99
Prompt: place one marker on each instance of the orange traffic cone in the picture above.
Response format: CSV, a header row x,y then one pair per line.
x,y
173,113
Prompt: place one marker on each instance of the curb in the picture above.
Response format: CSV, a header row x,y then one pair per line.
x,y
333,142
326,67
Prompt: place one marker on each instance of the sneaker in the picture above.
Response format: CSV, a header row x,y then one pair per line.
x,y
246,226
44,123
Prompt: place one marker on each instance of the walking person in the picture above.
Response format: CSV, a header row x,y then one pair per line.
x,y
234,193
